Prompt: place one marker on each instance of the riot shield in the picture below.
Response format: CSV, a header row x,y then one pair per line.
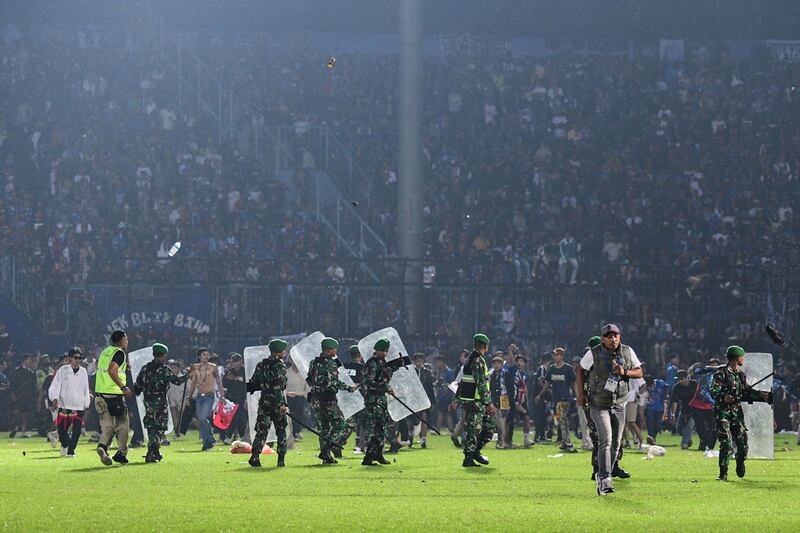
x,y
137,360
405,382
252,356
758,416
308,349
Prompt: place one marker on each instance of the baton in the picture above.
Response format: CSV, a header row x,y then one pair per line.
x,y
183,399
336,445
416,415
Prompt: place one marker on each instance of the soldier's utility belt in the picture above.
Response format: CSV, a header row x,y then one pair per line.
x,y
153,397
321,396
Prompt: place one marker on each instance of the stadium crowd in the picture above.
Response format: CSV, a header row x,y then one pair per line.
x,y
643,178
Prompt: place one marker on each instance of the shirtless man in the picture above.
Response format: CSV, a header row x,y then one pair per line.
x,y
204,376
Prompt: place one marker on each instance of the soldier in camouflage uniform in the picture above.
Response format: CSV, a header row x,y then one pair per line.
x,y
729,388
474,397
153,381
269,377
375,386
323,378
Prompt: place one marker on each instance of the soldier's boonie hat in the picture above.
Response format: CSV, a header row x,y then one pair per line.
x,y
480,338
382,345
354,350
328,342
594,341
734,351
277,345
160,349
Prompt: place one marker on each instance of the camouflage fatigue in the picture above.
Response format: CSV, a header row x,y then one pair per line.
x,y
153,381
729,417
269,377
562,410
378,424
323,378
478,426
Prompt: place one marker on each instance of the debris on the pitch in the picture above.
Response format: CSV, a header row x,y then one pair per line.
x,y
24,453
174,249
694,481
331,62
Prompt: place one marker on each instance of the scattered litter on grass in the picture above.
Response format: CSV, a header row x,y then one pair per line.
x,y
24,453
711,453
694,481
556,456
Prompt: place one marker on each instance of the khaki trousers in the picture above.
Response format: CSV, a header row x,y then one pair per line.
x,y
111,426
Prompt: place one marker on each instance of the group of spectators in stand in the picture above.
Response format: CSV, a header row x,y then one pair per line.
x,y
666,185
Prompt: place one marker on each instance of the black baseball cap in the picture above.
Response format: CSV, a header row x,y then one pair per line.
x,y
609,328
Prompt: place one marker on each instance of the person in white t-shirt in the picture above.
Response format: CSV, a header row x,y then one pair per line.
x,y
69,393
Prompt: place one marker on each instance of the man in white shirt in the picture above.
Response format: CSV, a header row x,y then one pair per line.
x,y
612,365
69,393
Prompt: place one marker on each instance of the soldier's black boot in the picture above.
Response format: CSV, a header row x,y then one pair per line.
x,y
254,461
723,473
619,472
394,447
594,474
478,458
151,455
367,460
381,459
740,466
337,452
469,462
281,457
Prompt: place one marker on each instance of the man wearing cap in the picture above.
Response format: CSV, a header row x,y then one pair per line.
x,y
375,387
560,378
69,394
611,364
323,378
474,397
110,392
729,388
269,377
153,381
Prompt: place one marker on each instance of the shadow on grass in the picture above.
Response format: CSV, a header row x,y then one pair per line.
x,y
45,458
104,467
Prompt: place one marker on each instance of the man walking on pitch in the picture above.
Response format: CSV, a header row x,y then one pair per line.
x,y
110,392
153,381
560,378
375,387
611,365
323,378
729,388
69,392
269,377
474,397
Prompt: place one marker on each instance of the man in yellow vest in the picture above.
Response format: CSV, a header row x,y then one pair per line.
x,y
110,393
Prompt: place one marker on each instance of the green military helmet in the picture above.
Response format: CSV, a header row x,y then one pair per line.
x,y
382,345
329,342
734,352
594,341
480,338
277,345
354,350
160,349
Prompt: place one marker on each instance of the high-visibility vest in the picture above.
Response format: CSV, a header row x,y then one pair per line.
x,y
468,390
104,384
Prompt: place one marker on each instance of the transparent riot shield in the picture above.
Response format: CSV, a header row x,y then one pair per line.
x,y
758,416
308,349
404,382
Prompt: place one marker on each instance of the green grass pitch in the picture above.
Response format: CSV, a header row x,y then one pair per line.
x,y
424,490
